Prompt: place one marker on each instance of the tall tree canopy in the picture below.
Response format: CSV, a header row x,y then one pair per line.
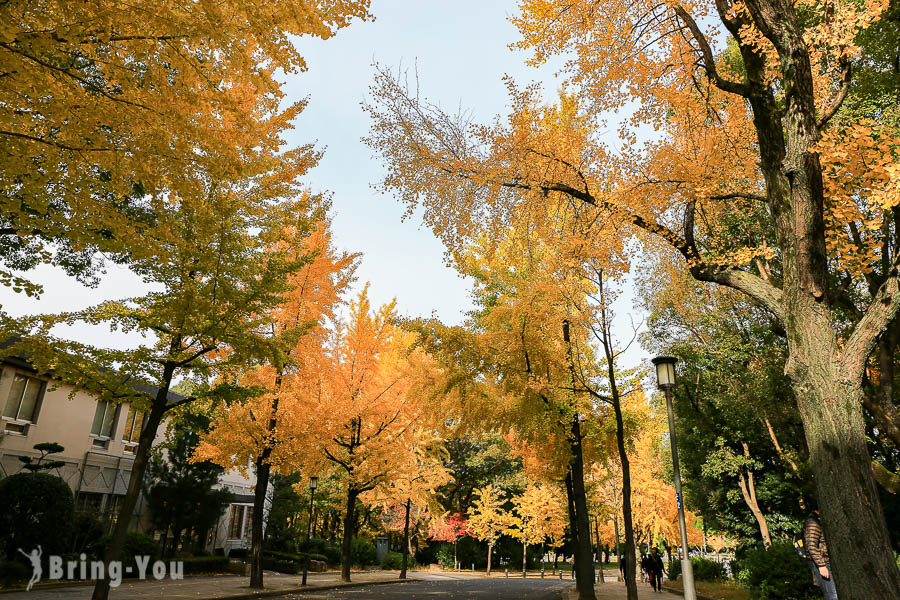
x,y
744,173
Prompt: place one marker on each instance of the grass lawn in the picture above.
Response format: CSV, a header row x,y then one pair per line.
x,y
723,590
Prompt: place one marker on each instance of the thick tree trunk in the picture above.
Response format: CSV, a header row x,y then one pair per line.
x,y
138,468
256,538
581,525
405,542
348,535
852,515
584,565
263,470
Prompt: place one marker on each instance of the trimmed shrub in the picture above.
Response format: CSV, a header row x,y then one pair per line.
x,y
13,571
87,532
444,556
288,567
239,553
674,570
36,509
331,551
136,544
392,561
777,572
706,569
205,564
362,552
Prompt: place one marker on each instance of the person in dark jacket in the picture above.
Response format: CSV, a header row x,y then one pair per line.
x,y
656,569
645,568
819,559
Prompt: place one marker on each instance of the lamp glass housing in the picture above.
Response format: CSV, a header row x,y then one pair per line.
x,y
665,371
313,482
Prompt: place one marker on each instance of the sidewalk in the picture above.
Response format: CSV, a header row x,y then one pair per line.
x,y
208,587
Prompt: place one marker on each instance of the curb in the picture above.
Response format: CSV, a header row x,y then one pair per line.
x,y
49,586
309,589
681,593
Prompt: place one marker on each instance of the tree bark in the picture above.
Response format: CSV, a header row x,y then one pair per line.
x,y
608,351
490,548
578,513
256,537
405,542
584,566
748,491
524,558
348,534
138,468
852,515
263,471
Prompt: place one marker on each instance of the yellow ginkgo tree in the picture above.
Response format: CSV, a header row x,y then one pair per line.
x,y
487,518
537,516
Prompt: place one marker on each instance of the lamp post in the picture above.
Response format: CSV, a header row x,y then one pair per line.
x,y
665,380
313,482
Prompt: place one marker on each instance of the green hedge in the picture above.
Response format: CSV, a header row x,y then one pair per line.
x,y
392,561
136,544
362,552
331,551
36,509
444,556
205,564
776,572
704,569
288,567
13,571
297,558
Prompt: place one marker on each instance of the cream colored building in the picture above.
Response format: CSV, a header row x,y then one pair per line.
x,y
99,440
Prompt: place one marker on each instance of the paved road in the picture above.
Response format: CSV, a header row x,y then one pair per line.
x,y
449,587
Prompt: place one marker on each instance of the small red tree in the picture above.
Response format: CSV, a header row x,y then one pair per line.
x,y
449,529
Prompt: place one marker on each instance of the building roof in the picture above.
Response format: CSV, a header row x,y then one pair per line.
x,y
21,360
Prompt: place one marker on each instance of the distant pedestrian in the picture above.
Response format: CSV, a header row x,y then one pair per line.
x,y
572,564
645,567
656,569
819,559
621,561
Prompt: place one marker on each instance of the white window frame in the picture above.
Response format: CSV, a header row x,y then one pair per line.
x,y
98,440
16,425
129,445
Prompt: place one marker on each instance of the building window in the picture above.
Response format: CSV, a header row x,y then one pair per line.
x,y
21,404
104,421
113,506
235,528
89,502
132,433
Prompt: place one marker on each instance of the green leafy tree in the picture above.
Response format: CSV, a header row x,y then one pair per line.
x,y
36,509
215,275
181,494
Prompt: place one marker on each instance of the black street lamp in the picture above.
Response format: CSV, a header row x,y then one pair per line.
x,y
665,380
313,482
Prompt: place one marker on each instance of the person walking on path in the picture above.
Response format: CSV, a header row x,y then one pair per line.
x,y
656,569
819,559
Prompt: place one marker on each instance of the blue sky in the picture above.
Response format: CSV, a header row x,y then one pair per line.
x,y
461,52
